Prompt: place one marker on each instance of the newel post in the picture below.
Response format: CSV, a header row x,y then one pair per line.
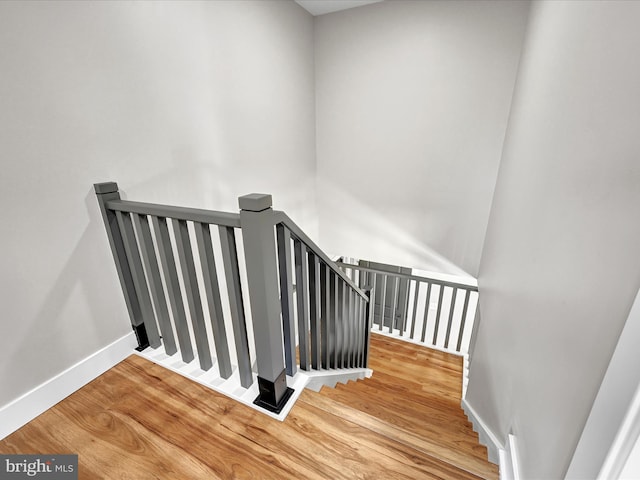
x,y
257,222
106,192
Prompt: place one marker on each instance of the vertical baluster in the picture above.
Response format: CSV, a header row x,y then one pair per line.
x,y
345,325
358,329
340,323
236,303
346,319
325,300
463,319
405,291
451,308
363,330
414,316
170,271
185,254
349,326
302,295
394,304
286,298
364,326
373,298
354,328
435,330
333,321
405,313
426,312
314,309
383,296
141,223
139,280
369,322
212,290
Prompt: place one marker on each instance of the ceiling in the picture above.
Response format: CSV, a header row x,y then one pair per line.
x,y
320,7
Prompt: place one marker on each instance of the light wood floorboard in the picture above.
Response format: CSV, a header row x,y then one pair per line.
x,y
141,421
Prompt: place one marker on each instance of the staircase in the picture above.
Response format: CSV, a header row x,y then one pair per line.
x,y
412,403
267,321
184,286
140,420
262,319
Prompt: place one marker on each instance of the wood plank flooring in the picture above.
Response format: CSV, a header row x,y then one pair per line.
x,y
141,421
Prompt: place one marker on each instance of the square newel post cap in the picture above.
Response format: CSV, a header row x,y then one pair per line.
x,y
255,202
106,187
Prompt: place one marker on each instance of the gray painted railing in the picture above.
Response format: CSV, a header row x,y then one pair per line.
x,y
433,312
152,246
332,312
133,224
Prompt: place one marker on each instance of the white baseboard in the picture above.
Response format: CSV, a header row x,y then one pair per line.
x,y
624,444
405,338
465,374
230,387
25,408
330,378
509,463
505,456
485,435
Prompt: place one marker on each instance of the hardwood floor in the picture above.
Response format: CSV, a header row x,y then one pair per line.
x,y
141,421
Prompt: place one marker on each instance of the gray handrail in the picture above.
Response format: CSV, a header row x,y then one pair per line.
x,y
296,231
212,217
408,276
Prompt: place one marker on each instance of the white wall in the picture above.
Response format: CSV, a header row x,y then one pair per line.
x,y
412,104
613,402
560,266
185,103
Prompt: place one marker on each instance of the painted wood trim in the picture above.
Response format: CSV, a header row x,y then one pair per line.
x,y
315,380
416,342
410,276
509,462
514,456
485,435
624,441
186,214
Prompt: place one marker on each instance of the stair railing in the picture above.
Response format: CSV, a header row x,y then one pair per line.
x,y
333,316
152,248
436,313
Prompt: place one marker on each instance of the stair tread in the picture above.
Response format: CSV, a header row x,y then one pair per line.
x,y
412,398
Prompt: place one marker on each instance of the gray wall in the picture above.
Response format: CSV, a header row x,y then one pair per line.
x,y
186,103
560,266
412,104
